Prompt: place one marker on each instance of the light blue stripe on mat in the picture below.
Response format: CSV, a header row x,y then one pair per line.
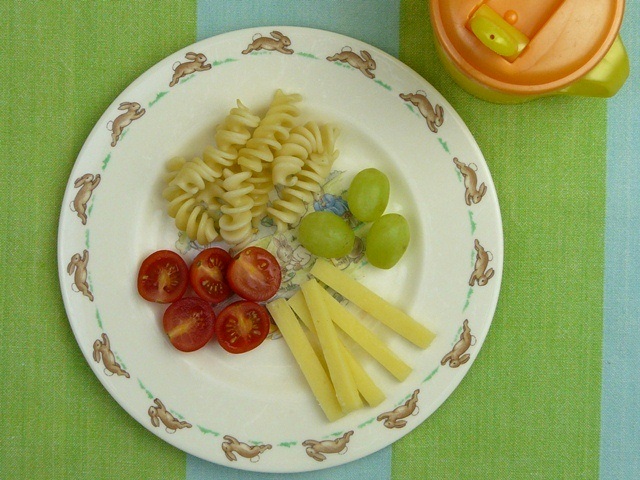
x,y
620,433
372,21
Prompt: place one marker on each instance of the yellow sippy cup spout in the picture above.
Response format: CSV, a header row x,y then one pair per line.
x,y
496,33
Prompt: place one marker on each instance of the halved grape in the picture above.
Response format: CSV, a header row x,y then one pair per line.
x,y
368,194
325,234
387,240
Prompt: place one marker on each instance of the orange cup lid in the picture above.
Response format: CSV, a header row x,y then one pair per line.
x,y
526,46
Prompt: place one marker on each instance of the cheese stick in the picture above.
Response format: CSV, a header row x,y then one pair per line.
x,y
365,384
341,376
306,358
364,337
373,304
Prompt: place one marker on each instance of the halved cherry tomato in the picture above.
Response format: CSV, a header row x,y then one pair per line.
x,y
207,274
254,274
242,326
163,277
189,323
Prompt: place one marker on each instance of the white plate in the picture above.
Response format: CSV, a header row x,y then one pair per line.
x,y
260,398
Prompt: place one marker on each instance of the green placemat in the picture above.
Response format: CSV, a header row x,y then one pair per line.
x,y
68,61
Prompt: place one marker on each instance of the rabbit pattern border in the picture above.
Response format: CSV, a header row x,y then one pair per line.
x,y
102,352
132,112
197,63
433,115
85,184
363,62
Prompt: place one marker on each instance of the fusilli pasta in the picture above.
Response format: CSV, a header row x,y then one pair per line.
x,y
192,215
235,223
230,136
193,175
262,188
273,129
257,155
289,160
293,200
227,192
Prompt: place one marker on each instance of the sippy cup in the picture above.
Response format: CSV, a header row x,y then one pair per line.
x,y
510,51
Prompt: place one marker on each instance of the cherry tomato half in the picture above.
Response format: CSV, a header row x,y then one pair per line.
x,y
254,274
189,323
163,277
207,274
242,326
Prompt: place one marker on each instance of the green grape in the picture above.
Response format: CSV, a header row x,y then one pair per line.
x,y
325,234
387,240
368,195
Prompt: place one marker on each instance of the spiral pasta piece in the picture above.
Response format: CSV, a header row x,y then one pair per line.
x,y
272,130
235,222
173,167
262,188
281,115
230,136
193,176
212,195
201,226
258,152
293,200
192,202
289,160
191,215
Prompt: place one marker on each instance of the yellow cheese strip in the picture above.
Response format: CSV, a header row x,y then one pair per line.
x,y
373,304
366,386
341,376
299,306
317,348
300,347
364,337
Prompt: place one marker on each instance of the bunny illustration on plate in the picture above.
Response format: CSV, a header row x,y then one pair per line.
x,y
159,413
363,62
133,112
102,351
293,258
197,64
78,268
86,183
433,115
473,193
318,449
394,418
457,355
481,274
231,446
278,43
